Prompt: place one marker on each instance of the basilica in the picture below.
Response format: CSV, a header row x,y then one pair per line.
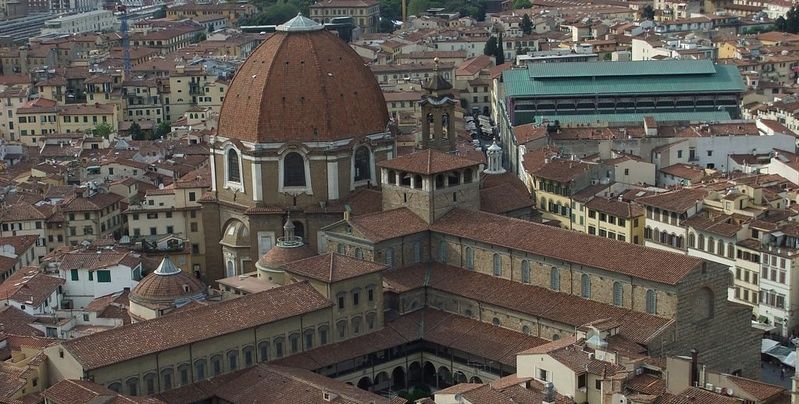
x,y
386,269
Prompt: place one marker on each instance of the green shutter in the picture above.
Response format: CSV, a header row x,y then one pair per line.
x,y
104,276
74,274
91,275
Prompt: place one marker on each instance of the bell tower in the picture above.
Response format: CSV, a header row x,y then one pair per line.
x,y
438,112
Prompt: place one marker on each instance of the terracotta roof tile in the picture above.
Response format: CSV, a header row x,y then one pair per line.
x,y
674,201
303,86
332,267
615,256
124,343
29,286
759,390
389,224
427,162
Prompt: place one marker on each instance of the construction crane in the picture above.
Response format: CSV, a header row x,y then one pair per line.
x,y
123,28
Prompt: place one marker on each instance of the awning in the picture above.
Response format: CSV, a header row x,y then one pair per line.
x,y
767,344
787,356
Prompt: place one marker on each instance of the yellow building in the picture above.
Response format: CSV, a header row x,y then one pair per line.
x,y
191,86
84,118
91,216
174,210
365,13
557,181
746,289
35,119
614,219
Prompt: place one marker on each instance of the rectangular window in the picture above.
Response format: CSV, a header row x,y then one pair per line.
x,y
602,233
341,302
192,197
103,276
355,298
91,275
73,273
581,381
592,230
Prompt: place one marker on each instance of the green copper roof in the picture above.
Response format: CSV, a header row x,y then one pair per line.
x,y
647,77
621,69
714,116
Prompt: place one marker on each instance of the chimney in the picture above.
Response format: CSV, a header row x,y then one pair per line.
x,y
694,367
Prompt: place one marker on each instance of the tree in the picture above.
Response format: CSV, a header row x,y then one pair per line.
x,y
527,25
199,37
521,4
490,47
648,13
162,129
135,131
789,23
102,129
499,55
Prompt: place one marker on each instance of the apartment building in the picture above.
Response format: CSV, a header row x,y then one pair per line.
x,y
665,214
91,216
40,117
365,13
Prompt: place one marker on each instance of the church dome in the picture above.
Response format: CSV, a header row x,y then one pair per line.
x,y
302,84
167,284
280,255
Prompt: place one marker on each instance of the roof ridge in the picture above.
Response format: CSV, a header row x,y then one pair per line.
x,y
332,265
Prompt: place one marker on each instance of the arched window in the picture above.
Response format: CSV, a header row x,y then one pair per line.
x,y
371,319
651,302
341,329
497,265
199,369
417,252
701,245
340,248
526,271
323,334
115,387
149,383
703,304
362,164
233,172
294,343
526,330
711,245
299,229
184,373
356,325
308,339
730,250
720,247
495,321
132,386
469,258
263,351
359,253
278,344
585,290
691,240
618,294
216,365
554,279
248,352
389,257
167,376
442,251
293,170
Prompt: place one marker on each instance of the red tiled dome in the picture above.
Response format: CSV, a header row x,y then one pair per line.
x,y
278,256
166,287
302,84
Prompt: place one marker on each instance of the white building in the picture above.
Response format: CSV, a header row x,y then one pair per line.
x,y
90,274
31,291
665,214
92,21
